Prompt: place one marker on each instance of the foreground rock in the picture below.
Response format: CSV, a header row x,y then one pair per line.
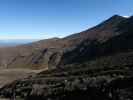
x,y
73,84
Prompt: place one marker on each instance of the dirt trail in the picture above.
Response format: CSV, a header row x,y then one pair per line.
x,y
8,75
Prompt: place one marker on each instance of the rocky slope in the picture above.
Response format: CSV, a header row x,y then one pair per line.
x,y
96,64
75,82
51,53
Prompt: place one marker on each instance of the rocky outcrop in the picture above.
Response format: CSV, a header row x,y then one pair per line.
x,y
73,83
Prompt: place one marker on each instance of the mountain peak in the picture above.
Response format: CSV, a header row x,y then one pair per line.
x,y
119,16
116,18
112,21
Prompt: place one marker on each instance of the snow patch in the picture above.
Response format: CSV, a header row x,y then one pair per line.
x,y
126,16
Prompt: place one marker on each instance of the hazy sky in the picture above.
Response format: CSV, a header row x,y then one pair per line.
x,y
30,19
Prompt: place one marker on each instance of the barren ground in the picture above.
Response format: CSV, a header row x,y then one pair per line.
x,y
9,75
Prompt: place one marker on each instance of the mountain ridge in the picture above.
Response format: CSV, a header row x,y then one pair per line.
x,y
49,52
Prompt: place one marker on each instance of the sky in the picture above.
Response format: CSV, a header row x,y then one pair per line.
x,y
41,19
